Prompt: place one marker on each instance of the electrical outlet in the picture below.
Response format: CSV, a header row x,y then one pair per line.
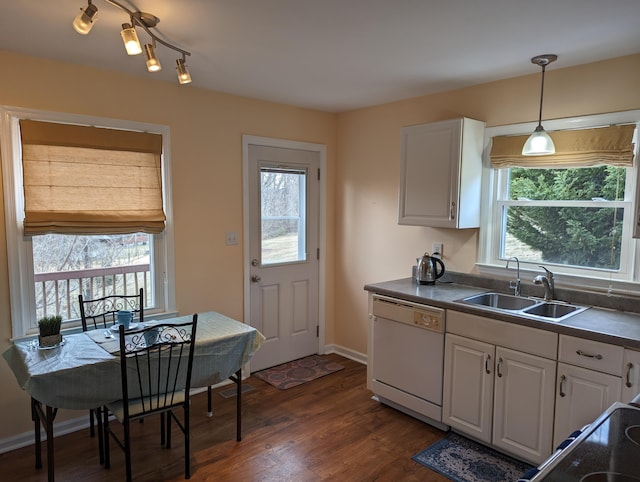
x,y
437,248
231,238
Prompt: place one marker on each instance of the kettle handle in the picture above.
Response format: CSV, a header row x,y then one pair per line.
x,y
441,272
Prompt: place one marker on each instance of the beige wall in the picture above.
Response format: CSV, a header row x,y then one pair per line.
x,y
364,242
206,129
370,245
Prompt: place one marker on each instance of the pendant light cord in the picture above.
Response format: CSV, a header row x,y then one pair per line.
x,y
541,97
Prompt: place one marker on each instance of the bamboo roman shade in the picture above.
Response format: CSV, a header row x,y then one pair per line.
x,y
90,180
574,148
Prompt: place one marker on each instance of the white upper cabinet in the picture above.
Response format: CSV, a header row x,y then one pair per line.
x,y
440,174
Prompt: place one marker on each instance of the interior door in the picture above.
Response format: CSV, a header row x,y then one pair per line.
x,y
283,248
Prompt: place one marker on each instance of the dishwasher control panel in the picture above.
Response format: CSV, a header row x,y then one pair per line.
x,y
422,316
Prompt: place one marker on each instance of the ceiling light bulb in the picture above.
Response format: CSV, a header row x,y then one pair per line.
x,y
130,39
84,21
184,77
153,64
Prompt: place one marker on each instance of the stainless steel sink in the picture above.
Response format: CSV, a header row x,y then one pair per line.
x,y
500,301
551,310
527,307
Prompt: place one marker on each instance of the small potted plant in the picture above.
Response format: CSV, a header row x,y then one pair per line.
x,y
49,330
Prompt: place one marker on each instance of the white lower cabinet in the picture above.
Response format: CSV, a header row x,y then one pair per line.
x,y
631,376
589,380
499,396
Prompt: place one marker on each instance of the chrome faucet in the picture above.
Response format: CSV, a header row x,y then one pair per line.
x,y
515,285
547,281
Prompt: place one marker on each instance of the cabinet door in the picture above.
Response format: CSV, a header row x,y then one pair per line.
x,y
468,386
523,404
440,174
581,396
631,377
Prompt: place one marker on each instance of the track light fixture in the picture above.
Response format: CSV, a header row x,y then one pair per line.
x,y
84,21
184,77
130,39
539,143
87,16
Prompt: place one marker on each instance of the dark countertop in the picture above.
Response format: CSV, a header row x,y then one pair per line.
x,y
599,324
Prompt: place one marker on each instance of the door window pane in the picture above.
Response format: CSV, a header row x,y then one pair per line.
x,y
283,215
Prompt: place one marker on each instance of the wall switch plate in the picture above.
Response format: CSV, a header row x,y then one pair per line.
x,y
231,238
436,248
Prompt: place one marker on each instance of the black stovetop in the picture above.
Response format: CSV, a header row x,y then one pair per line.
x,y
608,450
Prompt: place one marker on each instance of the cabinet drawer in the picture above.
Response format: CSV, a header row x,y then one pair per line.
x,y
591,354
510,335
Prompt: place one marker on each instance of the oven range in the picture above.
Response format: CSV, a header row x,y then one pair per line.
x,y
606,450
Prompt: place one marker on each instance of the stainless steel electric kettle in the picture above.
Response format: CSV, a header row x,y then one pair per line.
x,y
429,270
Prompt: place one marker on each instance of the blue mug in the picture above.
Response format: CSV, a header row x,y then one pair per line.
x,y
124,318
151,337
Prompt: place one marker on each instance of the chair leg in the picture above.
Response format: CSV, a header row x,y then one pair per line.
x,y
169,415
163,439
105,429
92,431
187,443
209,402
98,414
127,449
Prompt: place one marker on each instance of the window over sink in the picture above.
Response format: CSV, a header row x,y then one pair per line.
x,y
576,219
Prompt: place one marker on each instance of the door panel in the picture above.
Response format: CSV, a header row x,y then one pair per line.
x,y
283,224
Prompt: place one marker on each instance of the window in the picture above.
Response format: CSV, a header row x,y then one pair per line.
x,y
48,271
283,216
576,221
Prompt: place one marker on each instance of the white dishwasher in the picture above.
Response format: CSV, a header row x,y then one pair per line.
x,y
408,357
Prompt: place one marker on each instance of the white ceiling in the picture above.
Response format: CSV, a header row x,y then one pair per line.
x,y
334,55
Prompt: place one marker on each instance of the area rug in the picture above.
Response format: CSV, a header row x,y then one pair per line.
x,y
463,460
297,372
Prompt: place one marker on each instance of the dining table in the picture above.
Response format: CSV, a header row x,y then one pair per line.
x,y
83,371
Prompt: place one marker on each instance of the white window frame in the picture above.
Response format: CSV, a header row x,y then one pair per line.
x,y
489,262
19,247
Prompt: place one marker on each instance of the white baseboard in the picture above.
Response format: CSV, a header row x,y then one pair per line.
x,y
347,353
60,428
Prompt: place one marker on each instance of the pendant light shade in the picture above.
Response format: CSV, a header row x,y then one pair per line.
x,y
84,21
539,143
130,39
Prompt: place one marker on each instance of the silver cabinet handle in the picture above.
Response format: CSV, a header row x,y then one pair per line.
x,y
499,367
255,278
561,388
628,377
597,356
452,211
486,364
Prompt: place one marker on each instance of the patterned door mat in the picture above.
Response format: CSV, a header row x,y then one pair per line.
x,y
297,372
463,460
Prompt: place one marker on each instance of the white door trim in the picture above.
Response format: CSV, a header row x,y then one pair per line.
x,y
322,242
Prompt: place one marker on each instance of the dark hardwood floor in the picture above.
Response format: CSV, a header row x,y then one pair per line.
x,y
327,429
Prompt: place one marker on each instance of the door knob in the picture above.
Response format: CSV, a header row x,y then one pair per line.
x,y
255,278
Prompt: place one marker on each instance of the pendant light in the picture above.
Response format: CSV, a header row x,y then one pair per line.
x,y
539,143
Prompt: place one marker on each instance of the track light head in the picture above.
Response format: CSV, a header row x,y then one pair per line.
x,y
130,39
153,64
85,19
184,77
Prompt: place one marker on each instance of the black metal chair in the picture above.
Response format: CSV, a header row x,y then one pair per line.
x,y
156,365
103,312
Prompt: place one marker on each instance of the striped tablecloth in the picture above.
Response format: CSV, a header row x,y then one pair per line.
x,y
84,372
